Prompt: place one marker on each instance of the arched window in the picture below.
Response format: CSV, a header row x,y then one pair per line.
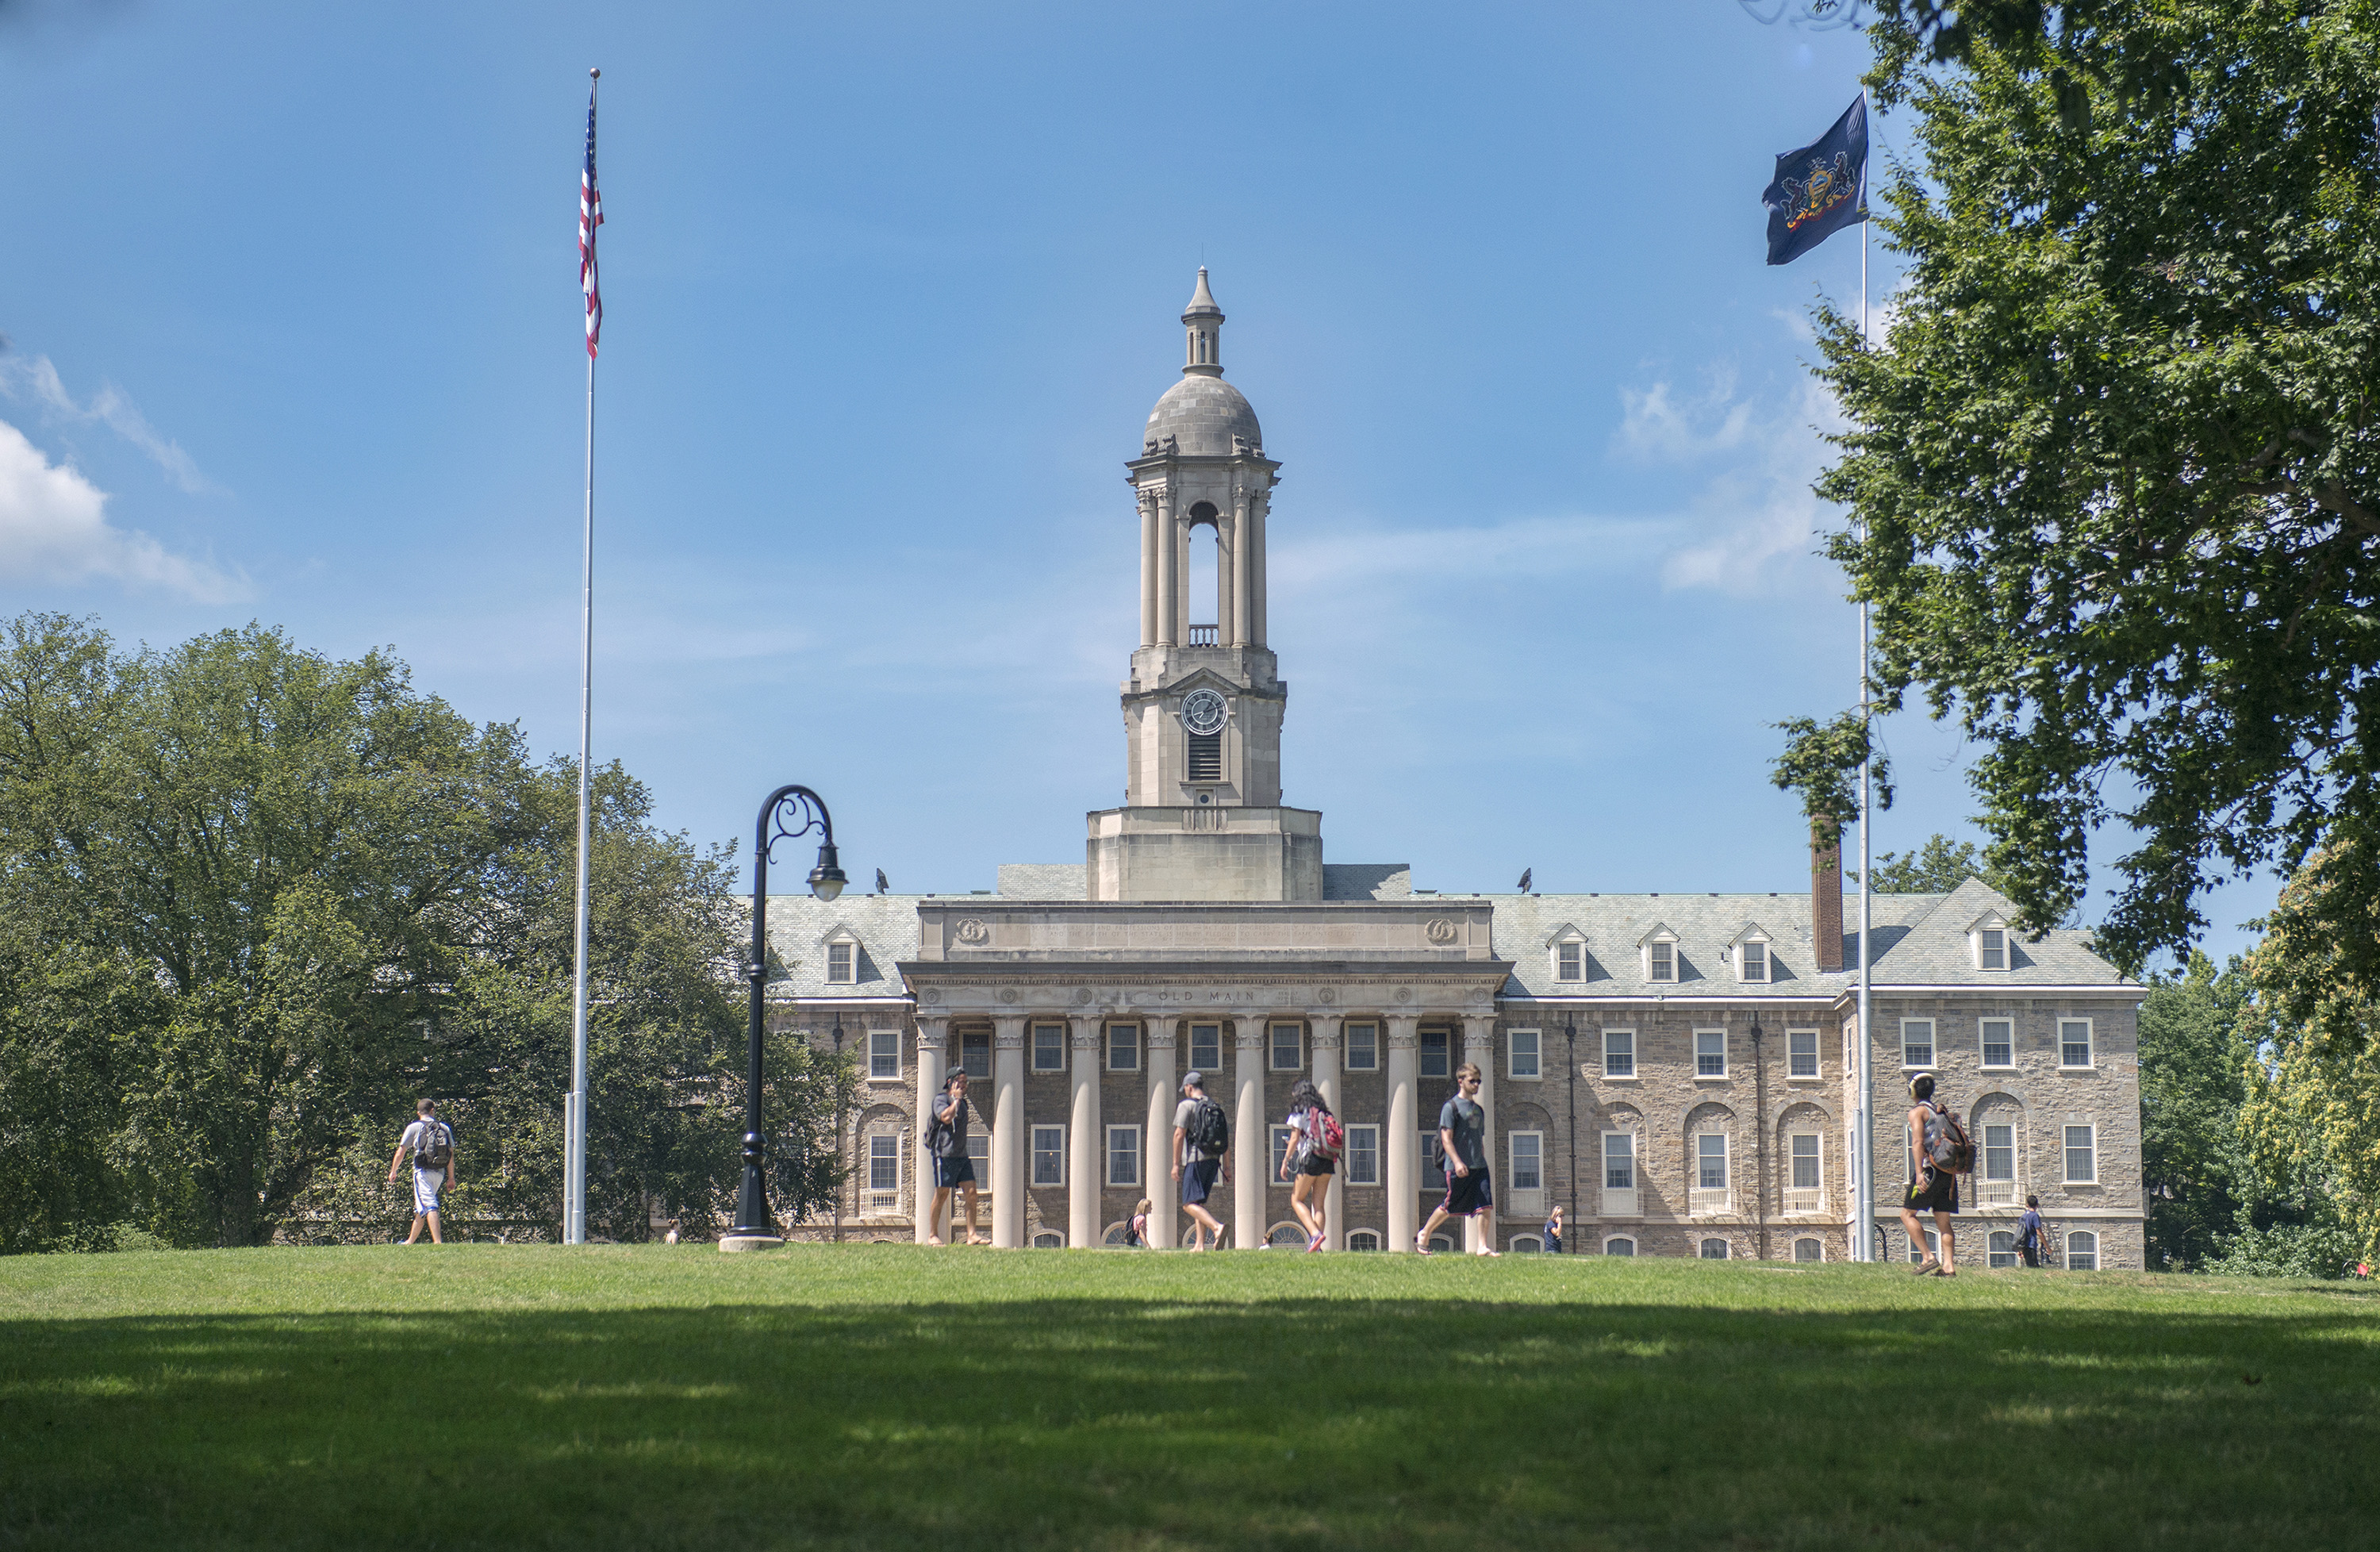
x,y
1286,1235
2082,1250
1440,1241
1049,1239
1619,1246
1118,1233
1932,1247
2001,1249
1525,1245
1713,1249
1363,1238
1806,1249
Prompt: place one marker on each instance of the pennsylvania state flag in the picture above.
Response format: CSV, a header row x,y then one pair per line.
x,y
1820,188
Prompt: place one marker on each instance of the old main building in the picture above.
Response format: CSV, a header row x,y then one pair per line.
x,y
1675,1070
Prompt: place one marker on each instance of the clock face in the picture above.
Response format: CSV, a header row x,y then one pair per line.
x,y
1202,711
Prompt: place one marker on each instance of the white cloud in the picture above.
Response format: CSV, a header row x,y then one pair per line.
x,y
1755,519
53,528
1661,426
35,378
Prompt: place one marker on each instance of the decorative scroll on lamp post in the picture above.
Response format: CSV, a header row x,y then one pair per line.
x,y
755,1228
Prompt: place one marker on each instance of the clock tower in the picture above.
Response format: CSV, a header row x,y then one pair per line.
x,y
1202,711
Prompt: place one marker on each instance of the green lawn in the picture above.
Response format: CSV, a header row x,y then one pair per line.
x,y
868,1396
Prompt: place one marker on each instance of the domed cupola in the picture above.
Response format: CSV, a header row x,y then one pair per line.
x,y
1202,415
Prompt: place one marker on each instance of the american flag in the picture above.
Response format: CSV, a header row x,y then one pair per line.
x,y
590,215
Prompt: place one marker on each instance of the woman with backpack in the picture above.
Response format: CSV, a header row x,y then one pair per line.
x,y
1315,1140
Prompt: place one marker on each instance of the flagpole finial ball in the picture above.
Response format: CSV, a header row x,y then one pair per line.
x,y
594,75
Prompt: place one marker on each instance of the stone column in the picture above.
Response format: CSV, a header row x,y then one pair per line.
x,y
1226,542
1168,576
934,1054
1242,545
1086,1169
1008,1134
1251,1138
1479,1045
1157,1142
1146,500
1325,1039
1399,1153
1257,588
1181,580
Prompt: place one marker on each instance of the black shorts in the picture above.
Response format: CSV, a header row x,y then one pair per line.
x,y
950,1170
1939,1193
1314,1164
1198,1180
1466,1195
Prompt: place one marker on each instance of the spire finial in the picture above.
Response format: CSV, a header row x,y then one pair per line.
x,y
1204,322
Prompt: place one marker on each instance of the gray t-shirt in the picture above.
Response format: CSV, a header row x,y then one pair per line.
x,y
1185,1120
415,1136
956,1147
1467,1118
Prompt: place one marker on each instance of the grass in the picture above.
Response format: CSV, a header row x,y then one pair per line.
x,y
869,1396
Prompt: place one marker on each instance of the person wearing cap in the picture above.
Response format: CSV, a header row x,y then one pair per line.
x,y
1196,1170
1930,1190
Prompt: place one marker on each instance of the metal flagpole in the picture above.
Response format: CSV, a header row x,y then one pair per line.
x,y
1864,1250
573,1189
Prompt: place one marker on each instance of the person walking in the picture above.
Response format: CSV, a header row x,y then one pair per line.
x,y
2032,1233
946,1139
1930,1189
1202,1144
1313,1157
1463,1135
431,1142
1554,1230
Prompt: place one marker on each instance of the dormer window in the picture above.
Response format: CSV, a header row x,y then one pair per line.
x,y
1567,949
841,960
1753,958
1660,947
1989,936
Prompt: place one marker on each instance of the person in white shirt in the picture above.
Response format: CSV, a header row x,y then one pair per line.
x,y
1312,1163
431,1142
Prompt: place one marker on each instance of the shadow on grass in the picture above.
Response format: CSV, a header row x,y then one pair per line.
x,y
1148,1424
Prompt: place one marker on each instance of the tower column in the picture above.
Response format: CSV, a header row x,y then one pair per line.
x,y
1157,1142
1243,551
1226,595
1479,1047
1256,583
1147,503
1325,1078
1169,560
1402,1143
1087,1171
1008,1134
1181,580
1251,1138
933,1053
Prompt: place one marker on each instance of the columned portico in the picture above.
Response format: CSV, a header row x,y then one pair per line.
x,y
1157,1140
1008,1134
1403,1143
933,1052
1251,1138
1325,1039
1479,1048
1087,1163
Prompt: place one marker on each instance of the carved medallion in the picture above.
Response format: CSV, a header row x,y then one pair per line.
x,y
1440,930
1008,994
972,930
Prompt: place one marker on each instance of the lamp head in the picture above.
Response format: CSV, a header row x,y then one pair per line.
x,y
826,879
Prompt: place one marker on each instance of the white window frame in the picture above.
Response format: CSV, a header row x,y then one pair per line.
x,y
1629,1037
1273,1030
1364,1238
1364,1140
1279,1138
1999,1249
978,1146
1794,1073
1526,1245
1670,941
1047,1238
1817,1156
1569,959
1512,1160
2072,1251
1057,1048
1700,1075
878,1155
1635,1170
1132,1034
1980,946
1422,1171
1743,948
849,943
1727,1175
1371,1063
1443,1051
1703,1248
1513,1055
1984,1044
883,1044
1035,1153
1209,1065
2090,1129
1131,1154
970,1042
1985,1179
1628,1239
1809,1240
1933,1050
2089,1045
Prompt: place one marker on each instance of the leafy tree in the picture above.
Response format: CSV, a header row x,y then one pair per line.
x,y
2197,1033
2114,480
1936,868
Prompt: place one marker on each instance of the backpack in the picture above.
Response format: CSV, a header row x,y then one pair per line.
x,y
939,1133
436,1149
1210,1128
1325,1138
1947,1144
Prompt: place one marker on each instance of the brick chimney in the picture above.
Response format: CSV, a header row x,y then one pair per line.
x,y
1826,894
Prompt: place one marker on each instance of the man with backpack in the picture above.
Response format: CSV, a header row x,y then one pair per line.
x,y
1462,1140
1202,1148
2032,1233
431,1142
946,1140
1938,1154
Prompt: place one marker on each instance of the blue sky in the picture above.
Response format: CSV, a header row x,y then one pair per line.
x,y
293,301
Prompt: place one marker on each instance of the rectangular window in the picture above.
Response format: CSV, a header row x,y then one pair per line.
x,y
1288,1047
2081,1156
1281,1137
1207,1047
1663,960
840,960
1999,1153
980,1155
1048,1048
975,1054
1800,1053
1570,962
1363,1048
1710,1053
884,1053
883,1163
1521,1052
1806,1160
1433,1054
1124,1048
1755,962
1620,1053
2000,1042
1618,1161
1710,1161
1917,1042
1433,1171
1123,1156
1528,1150
1991,949
1362,1156
1049,1156
2074,1042
2000,1250
1205,757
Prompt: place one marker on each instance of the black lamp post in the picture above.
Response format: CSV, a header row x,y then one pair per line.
x,y
754,1227
1570,1035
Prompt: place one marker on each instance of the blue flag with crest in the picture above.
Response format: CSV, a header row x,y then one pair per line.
x,y
1820,188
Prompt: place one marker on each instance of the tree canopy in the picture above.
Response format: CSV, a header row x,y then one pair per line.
x,y
2112,479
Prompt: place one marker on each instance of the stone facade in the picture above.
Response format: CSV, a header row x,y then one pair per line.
x,y
1676,1070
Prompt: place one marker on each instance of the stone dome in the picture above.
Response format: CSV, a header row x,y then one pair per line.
x,y
1203,414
